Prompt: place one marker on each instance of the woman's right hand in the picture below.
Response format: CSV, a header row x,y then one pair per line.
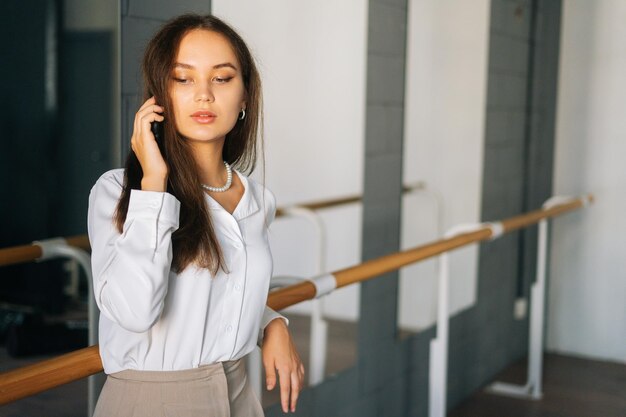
x,y
146,149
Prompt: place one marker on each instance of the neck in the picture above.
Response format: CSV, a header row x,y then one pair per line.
x,y
208,156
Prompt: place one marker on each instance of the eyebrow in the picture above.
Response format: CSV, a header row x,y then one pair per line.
x,y
218,66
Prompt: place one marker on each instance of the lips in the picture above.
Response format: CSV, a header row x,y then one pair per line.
x,y
204,116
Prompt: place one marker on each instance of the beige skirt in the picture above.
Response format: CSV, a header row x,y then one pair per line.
x,y
217,390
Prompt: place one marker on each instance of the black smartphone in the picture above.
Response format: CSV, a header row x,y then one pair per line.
x,y
157,131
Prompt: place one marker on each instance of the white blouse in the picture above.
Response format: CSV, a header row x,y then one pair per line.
x,y
155,319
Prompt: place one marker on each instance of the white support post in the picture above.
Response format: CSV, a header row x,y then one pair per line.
x,y
532,388
438,366
537,315
318,344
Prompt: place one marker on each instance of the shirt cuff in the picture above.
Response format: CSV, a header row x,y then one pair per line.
x,y
156,205
268,316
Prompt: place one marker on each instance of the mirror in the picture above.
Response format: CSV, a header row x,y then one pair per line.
x,y
59,89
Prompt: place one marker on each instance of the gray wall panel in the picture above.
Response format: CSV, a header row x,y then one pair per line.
x,y
511,18
383,121
386,29
135,34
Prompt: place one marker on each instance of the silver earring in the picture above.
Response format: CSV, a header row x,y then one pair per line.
x,y
243,114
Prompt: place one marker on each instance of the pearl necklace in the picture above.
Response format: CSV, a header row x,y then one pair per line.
x,y
229,181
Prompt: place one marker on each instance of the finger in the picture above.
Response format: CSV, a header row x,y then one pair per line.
x,y
150,110
137,123
149,118
270,376
285,387
301,376
149,106
143,110
148,102
295,390
137,141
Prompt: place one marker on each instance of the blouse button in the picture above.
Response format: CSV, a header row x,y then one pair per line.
x,y
229,328
237,287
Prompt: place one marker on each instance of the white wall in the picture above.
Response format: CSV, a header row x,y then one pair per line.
x,y
312,58
446,79
587,295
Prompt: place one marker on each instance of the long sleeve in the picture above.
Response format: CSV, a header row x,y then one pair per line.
x,y
158,319
131,270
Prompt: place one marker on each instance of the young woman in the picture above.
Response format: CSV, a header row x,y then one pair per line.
x,y
180,254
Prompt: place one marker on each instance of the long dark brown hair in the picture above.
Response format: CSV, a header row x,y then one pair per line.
x,y
195,240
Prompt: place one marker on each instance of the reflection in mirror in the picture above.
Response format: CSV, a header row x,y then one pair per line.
x,y
59,83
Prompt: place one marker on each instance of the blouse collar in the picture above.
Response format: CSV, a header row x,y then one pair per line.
x,y
247,205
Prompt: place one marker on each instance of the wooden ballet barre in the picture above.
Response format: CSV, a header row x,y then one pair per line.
x,y
343,200
306,290
33,379
42,376
28,253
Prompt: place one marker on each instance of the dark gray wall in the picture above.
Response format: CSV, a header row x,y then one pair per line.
x,y
541,124
381,360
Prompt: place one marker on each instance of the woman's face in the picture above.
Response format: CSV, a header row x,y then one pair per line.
x,y
206,88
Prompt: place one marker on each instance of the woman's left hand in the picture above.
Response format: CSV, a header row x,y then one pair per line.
x,y
280,354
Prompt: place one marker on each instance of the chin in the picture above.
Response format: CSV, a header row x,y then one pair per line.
x,y
204,137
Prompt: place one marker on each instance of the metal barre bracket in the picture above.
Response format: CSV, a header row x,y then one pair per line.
x,y
497,229
324,284
49,247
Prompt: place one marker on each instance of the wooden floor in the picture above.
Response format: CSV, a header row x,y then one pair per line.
x,y
573,387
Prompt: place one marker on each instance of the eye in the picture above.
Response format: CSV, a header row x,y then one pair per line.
x,y
222,80
181,80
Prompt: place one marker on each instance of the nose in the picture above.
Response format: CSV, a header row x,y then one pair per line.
x,y
204,93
